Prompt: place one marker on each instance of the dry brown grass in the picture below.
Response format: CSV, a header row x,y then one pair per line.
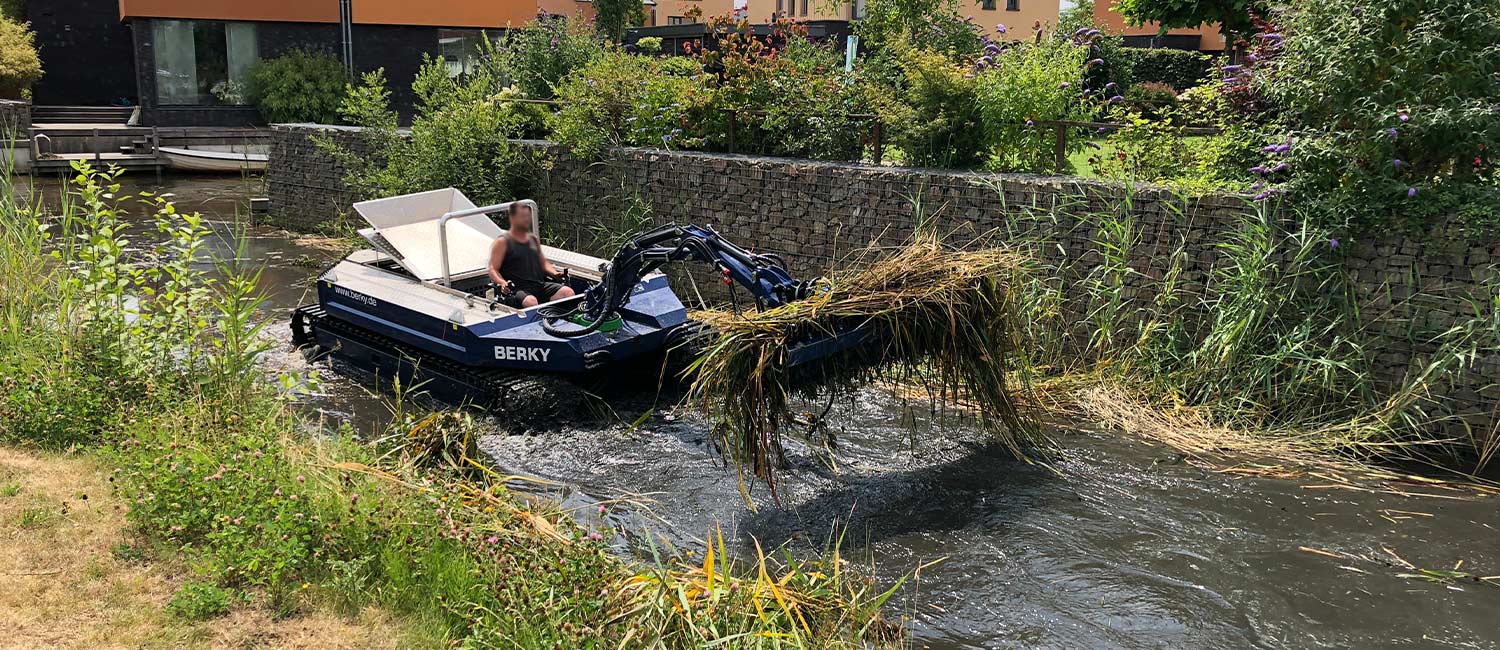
x,y
1287,454
62,585
936,315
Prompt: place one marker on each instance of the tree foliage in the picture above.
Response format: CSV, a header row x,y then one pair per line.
x,y
300,86
20,67
613,17
1233,16
1392,106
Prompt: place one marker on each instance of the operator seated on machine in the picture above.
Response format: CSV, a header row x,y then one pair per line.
x,y
518,267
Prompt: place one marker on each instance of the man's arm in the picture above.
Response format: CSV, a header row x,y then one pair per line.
x,y
497,257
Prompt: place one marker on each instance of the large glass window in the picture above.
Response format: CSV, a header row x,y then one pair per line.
x,y
460,49
203,62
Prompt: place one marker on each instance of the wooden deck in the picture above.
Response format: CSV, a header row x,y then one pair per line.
x,y
63,162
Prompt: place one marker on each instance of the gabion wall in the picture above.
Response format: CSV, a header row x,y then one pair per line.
x,y
1412,288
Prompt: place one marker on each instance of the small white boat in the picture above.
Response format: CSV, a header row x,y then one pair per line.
x,y
206,160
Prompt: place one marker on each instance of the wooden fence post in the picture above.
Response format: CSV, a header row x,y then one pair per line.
x,y
1060,146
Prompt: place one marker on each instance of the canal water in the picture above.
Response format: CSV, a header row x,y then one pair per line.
x,y
1116,544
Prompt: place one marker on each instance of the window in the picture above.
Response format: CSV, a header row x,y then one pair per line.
x,y
677,20
460,49
778,6
1012,5
203,62
804,7
987,5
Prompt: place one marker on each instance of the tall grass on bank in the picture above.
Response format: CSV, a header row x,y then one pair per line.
x,y
949,313
1271,342
138,349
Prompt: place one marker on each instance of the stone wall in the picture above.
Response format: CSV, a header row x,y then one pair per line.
x,y
15,118
815,213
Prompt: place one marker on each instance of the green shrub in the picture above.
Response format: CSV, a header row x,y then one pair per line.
x,y
1150,150
649,45
460,137
13,9
300,86
629,99
938,122
198,601
1391,107
1180,69
1025,86
20,67
537,58
1152,99
933,25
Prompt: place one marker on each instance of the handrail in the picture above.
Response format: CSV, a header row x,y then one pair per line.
x,y
459,214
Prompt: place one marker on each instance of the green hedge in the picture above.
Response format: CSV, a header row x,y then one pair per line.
x,y
1180,69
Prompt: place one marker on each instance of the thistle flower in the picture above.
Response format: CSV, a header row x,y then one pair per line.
x,y
1333,242
1403,117
1411,192
1397,163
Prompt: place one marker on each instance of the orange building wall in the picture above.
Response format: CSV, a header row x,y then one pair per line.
x,y
1112,22
434,13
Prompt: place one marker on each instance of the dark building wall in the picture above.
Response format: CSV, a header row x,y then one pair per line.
x,y
86,53
397,49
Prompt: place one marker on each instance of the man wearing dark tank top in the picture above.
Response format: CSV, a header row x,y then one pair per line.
x,y
517,262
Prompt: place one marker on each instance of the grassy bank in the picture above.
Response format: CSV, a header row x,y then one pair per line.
x,y
145,365
1270,353
73,574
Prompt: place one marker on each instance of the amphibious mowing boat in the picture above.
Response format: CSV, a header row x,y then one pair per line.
x,y
419,304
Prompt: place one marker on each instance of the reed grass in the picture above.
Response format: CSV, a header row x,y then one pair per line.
x,y
944,316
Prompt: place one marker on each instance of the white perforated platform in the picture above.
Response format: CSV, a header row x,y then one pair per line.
x,y
407,227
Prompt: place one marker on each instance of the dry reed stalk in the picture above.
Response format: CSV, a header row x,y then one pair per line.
x,y
941,316
1285,454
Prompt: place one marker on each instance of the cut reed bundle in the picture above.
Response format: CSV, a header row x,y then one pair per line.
x,y
940,316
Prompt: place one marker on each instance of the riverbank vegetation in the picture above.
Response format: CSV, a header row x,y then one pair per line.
x,y
135,352
1275,339
1269,355
20,66
947,92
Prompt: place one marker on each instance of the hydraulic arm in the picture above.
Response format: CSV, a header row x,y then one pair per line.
x,y
764,275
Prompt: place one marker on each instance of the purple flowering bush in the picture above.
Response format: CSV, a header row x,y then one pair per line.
x,y
1366,83
1024,86
537,58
